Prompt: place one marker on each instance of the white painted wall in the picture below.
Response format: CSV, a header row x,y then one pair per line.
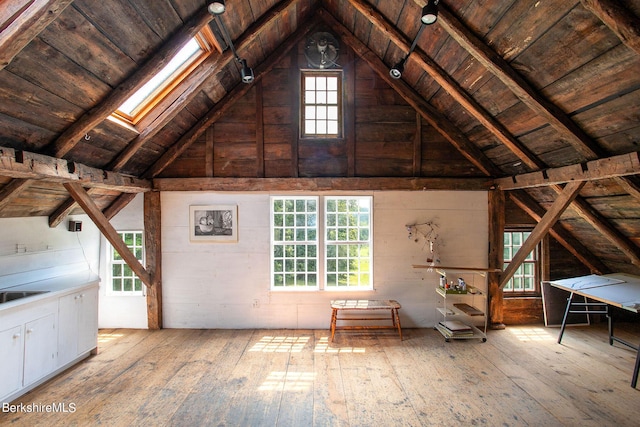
x,y
122,311
30,250
214,285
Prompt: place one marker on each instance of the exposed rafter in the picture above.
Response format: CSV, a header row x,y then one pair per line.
x,y
449,85
86,203
525,202
564,199
610,167
236,93
22,164
18,29
447,129
70,137
619,19
320,184
12,190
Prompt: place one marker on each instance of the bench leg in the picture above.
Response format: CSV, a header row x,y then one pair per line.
x,y
396,321
334,316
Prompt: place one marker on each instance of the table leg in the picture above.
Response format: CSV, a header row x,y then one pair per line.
x,y
634,378
564,319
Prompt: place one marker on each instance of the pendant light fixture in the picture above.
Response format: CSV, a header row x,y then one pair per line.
x,y
430,12
217,8
428,17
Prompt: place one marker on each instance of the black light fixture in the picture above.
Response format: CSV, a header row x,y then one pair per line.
x,y
428,17
396,71
430,12
216,8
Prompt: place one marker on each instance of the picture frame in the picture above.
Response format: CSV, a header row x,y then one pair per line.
x,y
213,223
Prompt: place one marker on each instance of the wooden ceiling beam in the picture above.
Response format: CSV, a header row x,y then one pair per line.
x,y
569,193
604,227
610,167
500,68
452,88
525,202
229,100
22,20
624,23
447,129
93,211
72,135
12,190
321,184
23,164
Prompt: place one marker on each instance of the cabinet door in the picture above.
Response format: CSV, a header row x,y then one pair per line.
x,y
67,329
11,346
40,347
87,320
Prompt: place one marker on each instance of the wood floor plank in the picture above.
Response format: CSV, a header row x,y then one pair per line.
x,y
519,377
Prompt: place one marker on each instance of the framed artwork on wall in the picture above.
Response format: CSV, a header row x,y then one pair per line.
x,y
213,223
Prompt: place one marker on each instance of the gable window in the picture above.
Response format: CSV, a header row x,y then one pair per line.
x,y
122,279
159,86
322,104
525,279
321,249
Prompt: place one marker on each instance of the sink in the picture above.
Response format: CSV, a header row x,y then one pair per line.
x,y
6,296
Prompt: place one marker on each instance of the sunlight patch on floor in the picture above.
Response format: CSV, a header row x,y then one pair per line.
x,y
532,334
104,337
288,381
323,346
268,344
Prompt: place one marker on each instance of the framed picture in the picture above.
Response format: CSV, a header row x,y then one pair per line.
x,y
213,223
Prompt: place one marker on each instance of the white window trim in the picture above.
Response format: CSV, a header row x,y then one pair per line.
x,y
321,246
109,270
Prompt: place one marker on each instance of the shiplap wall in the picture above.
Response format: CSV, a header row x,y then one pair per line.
x,y
215,285
30,250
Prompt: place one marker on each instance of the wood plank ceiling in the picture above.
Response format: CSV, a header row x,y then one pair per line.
x,y
528,94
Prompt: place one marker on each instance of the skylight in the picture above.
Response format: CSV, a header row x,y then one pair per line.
x,y
149,95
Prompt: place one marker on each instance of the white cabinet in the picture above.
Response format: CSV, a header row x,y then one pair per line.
x,y
40,348
11,351
78,317
462,312
28,349
42,335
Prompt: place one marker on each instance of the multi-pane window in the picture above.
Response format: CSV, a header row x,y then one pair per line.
x,y
123,279
525,277
322,104
301,243
348,242
294,241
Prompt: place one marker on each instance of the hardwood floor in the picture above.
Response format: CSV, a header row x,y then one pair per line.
x,y
519,377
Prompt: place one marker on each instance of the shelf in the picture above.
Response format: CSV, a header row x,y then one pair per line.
x,y
468,309
464,311
448,335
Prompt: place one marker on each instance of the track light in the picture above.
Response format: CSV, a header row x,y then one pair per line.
x,y
430,12
246,72
216,8
396,71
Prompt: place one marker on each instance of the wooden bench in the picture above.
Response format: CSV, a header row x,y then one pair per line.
x,y
365,305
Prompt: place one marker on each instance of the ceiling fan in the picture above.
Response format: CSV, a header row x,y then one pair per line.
x,y
321,50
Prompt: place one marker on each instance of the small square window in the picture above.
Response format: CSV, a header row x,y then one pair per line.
x,y
321,104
